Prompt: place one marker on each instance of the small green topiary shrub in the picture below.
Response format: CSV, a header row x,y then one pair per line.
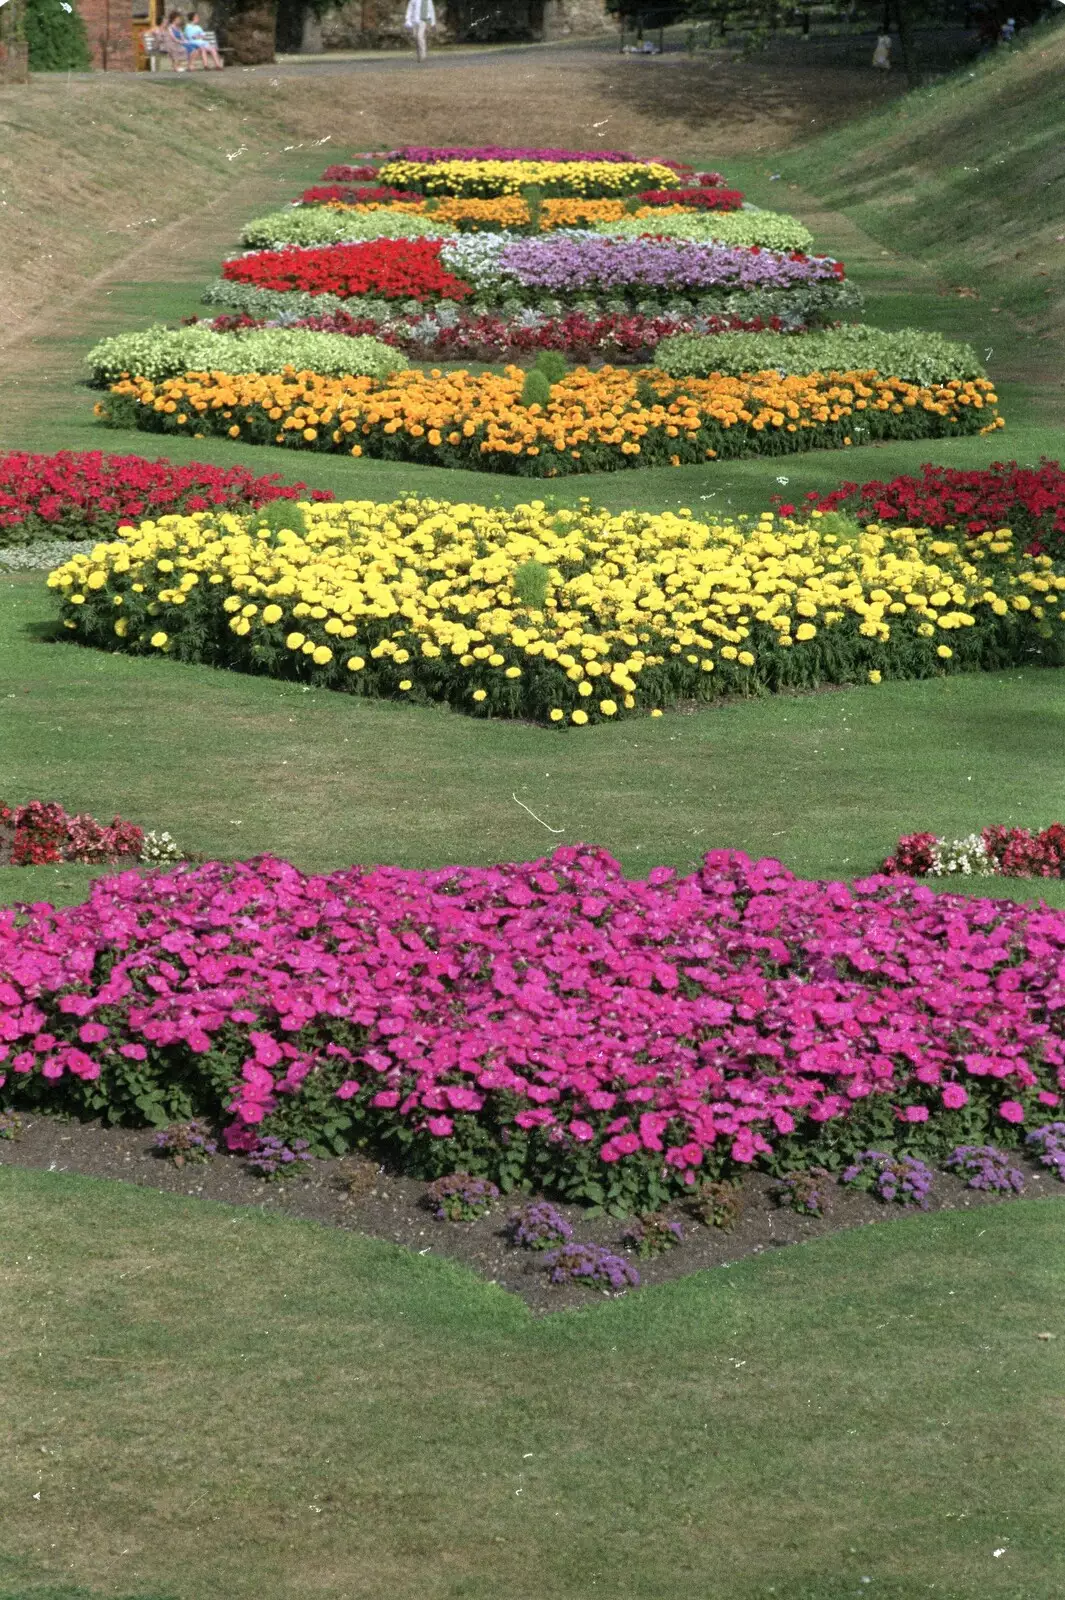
x,y
552,363
536,390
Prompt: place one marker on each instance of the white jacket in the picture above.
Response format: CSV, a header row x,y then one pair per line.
x,y
414,13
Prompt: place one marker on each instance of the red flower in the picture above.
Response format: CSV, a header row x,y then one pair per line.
x,y
1028,500
394,269
701,199
75,494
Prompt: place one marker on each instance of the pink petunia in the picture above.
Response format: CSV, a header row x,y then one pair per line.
x,y
954,1096
1011,1111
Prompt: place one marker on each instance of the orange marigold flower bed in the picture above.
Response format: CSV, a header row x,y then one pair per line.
x,y
593,421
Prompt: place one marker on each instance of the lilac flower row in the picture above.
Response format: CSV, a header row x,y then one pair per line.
x,y
577,260
496,152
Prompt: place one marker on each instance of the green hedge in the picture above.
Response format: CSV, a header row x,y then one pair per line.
x,y
913,356
162,352
317,226
770,229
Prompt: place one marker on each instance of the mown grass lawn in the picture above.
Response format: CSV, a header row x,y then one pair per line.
x,y
211,1402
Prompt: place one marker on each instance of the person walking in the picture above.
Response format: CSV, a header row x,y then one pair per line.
x,y
421,16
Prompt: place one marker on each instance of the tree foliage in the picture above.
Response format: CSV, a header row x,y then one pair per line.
x,y
56,37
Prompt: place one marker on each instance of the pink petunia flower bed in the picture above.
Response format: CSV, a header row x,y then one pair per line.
x,y
604,1039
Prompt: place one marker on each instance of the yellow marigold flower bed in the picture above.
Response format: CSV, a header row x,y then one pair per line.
x,y
594,421
587,180
564,616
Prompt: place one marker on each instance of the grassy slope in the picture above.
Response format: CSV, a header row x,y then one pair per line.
x,y
967,175
229,1404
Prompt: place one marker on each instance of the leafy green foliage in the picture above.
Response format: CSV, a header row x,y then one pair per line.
x,y
910,355
536,390
56,37
161,352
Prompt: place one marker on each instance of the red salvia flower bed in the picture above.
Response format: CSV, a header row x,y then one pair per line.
x,y
393,269
323,193
698,199
1029,500
343,174
77,494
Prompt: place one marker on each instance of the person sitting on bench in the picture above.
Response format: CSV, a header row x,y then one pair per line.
x,y
201,44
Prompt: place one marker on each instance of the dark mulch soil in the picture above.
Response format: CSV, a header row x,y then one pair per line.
x,y
357,1195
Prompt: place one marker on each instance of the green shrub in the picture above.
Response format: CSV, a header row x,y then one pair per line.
x,y
531,582
913,356
770,229
536,390
162,352
552,363
56,37
316,225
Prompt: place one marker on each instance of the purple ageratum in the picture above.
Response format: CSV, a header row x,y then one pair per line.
x,y
271,1155
591,1264
497,152
904,1179
185,1141
986,1167
458,1197
561,262
538,1227
1048,1145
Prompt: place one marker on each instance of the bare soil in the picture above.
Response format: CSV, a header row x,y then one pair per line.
x,y
361,1197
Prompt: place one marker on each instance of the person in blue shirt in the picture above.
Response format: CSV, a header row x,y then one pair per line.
x,y
199,44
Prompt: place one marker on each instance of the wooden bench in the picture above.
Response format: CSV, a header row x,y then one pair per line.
x,y
157,47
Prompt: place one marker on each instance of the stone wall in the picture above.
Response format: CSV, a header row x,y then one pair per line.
x,y
378,24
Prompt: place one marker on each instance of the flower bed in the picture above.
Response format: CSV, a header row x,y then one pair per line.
x,y
772,230
582,179
1028,500
495,152
910,355
561,616
609,1040
573,263
325,225
345,194
161,352
699,199
80,494
489,336
593,421
499,267
800,307
392,269
996,851
41,833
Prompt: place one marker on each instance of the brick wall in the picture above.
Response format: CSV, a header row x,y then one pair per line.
x,y
108,25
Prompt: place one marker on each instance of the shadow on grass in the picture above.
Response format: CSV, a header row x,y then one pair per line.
x,y
47,631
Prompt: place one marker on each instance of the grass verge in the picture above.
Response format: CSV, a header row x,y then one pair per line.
x,y
214,1402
